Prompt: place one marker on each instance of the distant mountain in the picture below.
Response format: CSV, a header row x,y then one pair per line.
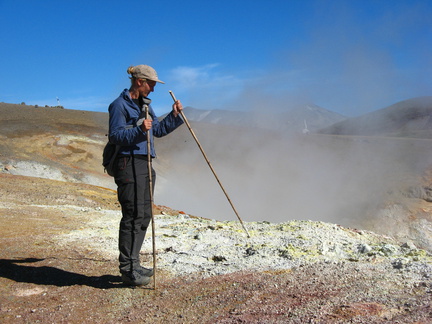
x,y
308,118
408,118
300,119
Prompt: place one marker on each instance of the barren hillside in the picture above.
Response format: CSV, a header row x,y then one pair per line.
x,y
408,118
58,239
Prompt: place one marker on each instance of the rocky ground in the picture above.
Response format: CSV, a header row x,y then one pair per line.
x,y
58,265
58,244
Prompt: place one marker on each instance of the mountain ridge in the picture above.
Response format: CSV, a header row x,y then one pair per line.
x,y
310,117
407,118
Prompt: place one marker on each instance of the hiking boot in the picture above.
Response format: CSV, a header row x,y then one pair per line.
x,y
134,278
145,271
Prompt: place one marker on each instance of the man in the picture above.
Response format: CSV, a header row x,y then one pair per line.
x,y
130,131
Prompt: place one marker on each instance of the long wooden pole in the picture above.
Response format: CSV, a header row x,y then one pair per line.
x,y
209,164
149,166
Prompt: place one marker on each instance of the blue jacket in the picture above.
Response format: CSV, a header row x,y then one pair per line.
x,y
124,131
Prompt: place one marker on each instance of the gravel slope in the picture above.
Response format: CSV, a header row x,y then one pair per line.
x,y
58,244
58,264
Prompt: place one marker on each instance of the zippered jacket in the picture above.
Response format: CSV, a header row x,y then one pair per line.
x,y
125,119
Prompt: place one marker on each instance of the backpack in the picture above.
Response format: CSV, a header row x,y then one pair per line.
x,y
108,157
109,154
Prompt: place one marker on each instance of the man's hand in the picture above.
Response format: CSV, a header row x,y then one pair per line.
x,y
146,125
177,107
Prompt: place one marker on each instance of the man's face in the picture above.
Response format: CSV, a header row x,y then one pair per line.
x,y
146,87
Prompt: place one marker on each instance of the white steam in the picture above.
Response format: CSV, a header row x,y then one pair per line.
x,y
277,178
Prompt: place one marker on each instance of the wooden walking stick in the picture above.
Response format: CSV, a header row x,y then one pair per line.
x,y
149,166
209,164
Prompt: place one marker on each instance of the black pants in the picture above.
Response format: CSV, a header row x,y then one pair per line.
x,y
133,190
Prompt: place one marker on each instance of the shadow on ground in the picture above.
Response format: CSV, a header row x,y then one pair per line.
x,y
19,271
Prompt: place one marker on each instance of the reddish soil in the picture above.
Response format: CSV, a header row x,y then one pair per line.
x,y
42,281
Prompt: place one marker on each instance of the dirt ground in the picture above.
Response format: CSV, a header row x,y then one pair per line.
x,y
45,281
42,281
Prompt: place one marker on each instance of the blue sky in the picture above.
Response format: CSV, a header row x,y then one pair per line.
x,y
350,57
